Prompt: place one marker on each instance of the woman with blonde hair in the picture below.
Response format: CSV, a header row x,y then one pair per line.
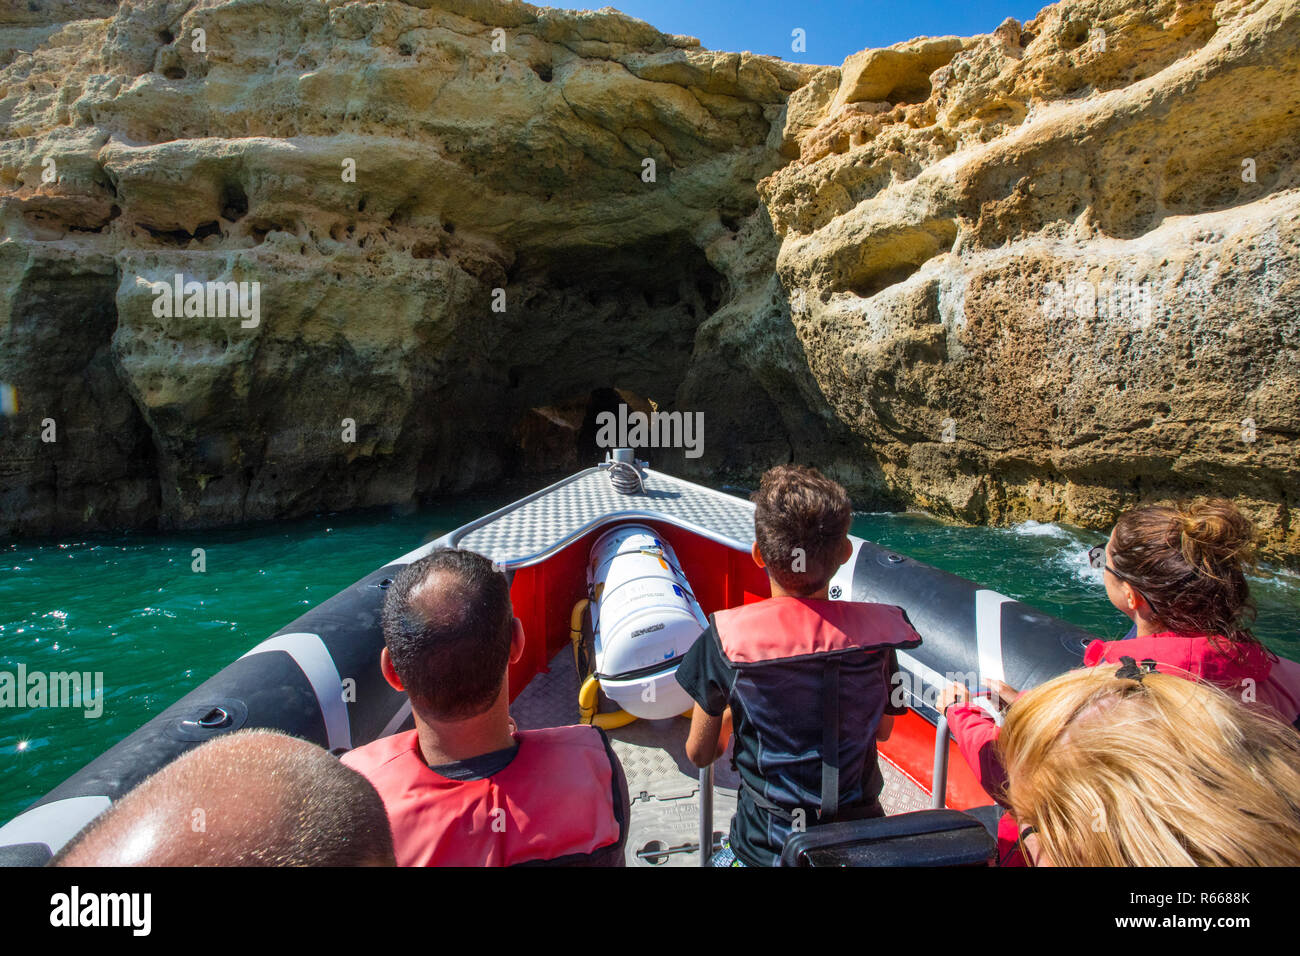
x,y
1179,573
1133,767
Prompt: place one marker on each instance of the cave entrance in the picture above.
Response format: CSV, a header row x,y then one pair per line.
x,y
561,436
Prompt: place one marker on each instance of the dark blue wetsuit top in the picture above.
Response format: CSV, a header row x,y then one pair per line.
x,y
777,718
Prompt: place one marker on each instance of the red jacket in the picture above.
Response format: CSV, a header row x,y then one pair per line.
x,y
556,802
977,737
1258,676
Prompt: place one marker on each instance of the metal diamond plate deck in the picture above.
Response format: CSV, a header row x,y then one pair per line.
x,y
662,783
900,794
527,532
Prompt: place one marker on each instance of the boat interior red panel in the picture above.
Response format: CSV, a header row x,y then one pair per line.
x,y
544,594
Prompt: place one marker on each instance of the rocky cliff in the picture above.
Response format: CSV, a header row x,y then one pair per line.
x,y
1047,272
1057,274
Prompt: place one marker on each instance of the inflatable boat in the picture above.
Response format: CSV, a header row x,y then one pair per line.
x,y
611,553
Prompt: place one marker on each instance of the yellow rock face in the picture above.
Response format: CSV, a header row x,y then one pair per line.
x,y
1064,281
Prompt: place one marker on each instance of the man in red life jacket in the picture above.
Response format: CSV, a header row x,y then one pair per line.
x,y
465,788
804,679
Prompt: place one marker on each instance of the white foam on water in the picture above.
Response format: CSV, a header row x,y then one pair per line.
x,y
1040,529
1075,563
1071,557
1282,577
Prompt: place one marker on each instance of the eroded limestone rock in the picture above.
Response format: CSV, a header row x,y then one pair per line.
x,y
1066,282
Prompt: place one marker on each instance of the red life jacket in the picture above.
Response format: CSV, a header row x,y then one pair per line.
x,y
792,652
788,627
555,802
1254,676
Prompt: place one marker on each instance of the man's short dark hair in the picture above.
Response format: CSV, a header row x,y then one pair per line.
x,y
800,520
447,623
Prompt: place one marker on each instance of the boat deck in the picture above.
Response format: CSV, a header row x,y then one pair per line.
x,y
544,522
662,782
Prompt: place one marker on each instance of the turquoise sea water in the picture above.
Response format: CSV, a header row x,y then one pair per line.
x,y
129,605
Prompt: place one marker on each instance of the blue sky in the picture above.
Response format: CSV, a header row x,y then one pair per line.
x,y
833,28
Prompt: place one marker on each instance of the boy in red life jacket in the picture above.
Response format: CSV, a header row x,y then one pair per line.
x,y
804,680
464,788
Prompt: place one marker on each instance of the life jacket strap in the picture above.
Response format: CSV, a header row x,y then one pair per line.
x,y
830,740
760,801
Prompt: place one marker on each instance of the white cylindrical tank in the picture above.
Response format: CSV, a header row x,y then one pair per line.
x,y
645,618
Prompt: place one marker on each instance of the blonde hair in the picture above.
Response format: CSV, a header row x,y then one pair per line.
x,y
1161,771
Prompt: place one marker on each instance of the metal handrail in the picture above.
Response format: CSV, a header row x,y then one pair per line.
x,y
706,814
939,776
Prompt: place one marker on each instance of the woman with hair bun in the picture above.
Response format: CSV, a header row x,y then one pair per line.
x,y
1179,573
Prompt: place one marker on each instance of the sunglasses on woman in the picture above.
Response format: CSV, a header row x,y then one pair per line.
x,y
1097,560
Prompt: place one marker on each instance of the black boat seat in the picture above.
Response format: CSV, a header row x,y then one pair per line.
x,y
922,838
990,816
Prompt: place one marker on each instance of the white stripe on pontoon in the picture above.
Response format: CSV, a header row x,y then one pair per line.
x,y
843,577
929,675
311,654
988,633
399,718
53,824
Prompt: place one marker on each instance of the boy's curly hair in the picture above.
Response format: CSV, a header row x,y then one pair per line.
x,y
800,521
